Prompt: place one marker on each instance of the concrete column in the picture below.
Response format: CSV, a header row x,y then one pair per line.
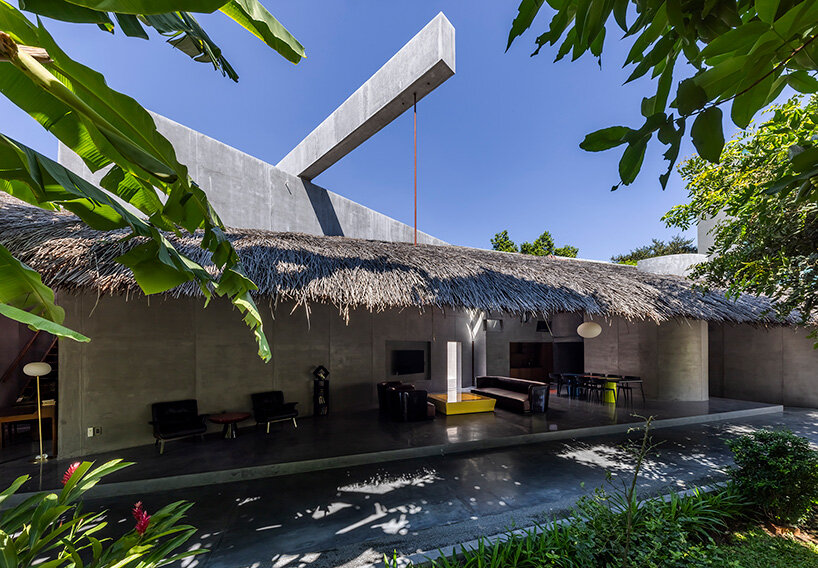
x,y
682,361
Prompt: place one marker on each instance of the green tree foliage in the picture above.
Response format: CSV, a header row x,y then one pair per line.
x,y
108,129
567,250
676,245
765,244
542,245
502,242
739,51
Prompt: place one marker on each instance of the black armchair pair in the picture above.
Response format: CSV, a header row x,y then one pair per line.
x,y
179,419
269,407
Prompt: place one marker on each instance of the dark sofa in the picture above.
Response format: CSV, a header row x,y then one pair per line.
x,y
517,395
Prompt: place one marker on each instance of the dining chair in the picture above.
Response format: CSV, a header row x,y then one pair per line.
x,y
631,380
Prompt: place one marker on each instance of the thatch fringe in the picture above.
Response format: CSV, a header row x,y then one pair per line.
x,y
374,275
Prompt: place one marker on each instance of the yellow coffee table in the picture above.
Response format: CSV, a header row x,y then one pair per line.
x,y
466,403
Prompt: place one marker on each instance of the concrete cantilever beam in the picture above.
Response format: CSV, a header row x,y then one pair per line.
x,y
426,61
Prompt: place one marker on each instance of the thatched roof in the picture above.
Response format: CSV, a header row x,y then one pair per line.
x,y
375,275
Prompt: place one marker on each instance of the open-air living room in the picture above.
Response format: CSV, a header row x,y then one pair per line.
x,y
246,330
373,355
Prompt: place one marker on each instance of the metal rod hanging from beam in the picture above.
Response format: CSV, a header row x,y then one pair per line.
x,y
415,106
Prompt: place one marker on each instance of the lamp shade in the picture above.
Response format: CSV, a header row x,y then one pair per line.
x,y
37,369
589,329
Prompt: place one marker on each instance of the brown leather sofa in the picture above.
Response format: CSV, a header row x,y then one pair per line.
x,y
517,395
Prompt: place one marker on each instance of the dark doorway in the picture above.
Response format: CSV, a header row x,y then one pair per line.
x,y
569,357
530,360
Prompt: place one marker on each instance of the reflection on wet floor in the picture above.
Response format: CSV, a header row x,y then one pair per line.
x,y
339,436
350,516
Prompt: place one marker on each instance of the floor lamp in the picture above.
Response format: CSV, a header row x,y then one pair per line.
x,y
39,370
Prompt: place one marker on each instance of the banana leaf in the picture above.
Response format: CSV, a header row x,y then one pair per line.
x,y
156,264
37,323
26,299
186,35
255,18
151,6
67,12
106,128
180,26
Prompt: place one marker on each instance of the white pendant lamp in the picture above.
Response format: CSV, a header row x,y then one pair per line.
x,y
589,329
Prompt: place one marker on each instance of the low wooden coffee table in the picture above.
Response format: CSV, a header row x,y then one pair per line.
x,y
229,420
467,403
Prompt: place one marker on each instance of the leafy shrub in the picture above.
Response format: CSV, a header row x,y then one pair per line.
x,y
778,471
50,530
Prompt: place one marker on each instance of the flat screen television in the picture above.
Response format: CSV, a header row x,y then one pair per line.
x,y
408,361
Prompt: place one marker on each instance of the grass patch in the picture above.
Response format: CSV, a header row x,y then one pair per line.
x,y
757,548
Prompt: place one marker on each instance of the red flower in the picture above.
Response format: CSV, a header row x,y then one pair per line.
x,y
69,472
141,517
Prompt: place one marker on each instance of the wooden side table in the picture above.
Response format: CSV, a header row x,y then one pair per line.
x,y
229,420
26,413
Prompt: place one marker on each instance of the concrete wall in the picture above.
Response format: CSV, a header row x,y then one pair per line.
x,y
563,328
676,264
704,234
776,365
249,193
148,351
420,66
671,358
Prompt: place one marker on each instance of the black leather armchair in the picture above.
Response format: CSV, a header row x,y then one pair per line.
x,y
175,420
269,407
412,406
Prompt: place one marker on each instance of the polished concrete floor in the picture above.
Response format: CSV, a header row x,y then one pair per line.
x,y
352,516
341,440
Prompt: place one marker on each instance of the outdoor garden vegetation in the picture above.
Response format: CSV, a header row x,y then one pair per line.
x,y
765,244
51,530
657,247
703,57
763,517
542,246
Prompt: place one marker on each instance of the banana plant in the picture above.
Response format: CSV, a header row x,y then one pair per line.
x,y
51,530
108,129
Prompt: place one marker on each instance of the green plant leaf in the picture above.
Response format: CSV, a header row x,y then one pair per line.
x,y
8,552
690,97
12,489
66,12
631,161
747,104
605,139
151,6
738,40
39,323
767,9
802,82
707,134
185,34
255,18
22,287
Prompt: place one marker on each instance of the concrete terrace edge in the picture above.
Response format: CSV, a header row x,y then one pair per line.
x,y
173,483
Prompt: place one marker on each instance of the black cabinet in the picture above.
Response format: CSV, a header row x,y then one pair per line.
x,y
320,397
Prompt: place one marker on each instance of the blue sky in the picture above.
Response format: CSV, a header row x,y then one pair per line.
x,y
498,142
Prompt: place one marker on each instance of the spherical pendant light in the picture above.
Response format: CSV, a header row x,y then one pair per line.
x,y
589,329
